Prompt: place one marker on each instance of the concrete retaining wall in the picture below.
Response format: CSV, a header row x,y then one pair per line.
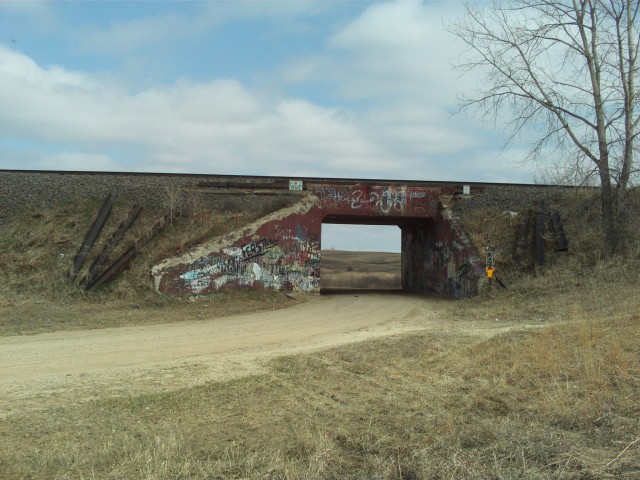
x,y
281,251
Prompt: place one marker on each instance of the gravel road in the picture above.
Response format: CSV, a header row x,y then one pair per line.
x,y
76,366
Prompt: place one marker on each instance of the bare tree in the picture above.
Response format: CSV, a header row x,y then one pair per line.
x,y
566,70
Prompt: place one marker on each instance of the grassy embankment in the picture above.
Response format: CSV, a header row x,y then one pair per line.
x,y
37,249
560,401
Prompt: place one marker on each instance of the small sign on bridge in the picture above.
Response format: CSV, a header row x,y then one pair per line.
x,y
295,185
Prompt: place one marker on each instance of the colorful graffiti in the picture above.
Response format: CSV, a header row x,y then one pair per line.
x,y
282,250
377,200
263,263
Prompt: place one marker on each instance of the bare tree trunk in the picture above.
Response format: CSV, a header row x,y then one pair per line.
x,y
569,69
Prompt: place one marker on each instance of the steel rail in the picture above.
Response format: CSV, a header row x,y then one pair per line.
x,y
280,178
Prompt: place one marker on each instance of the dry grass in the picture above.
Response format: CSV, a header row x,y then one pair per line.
x,y
561,400
360,270
556,402
37,248
361,281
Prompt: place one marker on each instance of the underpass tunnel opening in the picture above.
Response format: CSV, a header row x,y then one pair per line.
x,y
368,253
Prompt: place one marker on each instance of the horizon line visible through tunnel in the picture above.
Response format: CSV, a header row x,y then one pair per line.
x,y
360,257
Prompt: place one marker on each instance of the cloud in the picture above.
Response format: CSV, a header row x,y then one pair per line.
x,y
215,126
192,22
130,36
392,50
389,67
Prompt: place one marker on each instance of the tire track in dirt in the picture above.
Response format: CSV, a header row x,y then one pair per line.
x,y
68,367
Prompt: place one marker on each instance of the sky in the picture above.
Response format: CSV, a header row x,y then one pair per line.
x,y
332,88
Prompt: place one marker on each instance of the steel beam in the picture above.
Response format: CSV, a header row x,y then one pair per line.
x,y
540,232
90,238
113,241
124,260
558,229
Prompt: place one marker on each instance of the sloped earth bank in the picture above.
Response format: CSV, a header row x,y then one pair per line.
x,y
39,371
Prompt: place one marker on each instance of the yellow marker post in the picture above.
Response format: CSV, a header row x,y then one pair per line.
x,y
490,272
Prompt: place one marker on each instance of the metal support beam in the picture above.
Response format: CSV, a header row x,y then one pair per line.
x,y
113,241
90,238
124,260
558,229
523,235
540,232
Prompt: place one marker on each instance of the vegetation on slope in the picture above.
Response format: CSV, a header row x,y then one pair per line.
x,y
555,402
38,245
555,396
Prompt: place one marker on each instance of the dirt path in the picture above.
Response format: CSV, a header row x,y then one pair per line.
x,y
68,367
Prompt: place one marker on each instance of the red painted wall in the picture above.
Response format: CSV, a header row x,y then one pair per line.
x,y
387,201
279,253
282,251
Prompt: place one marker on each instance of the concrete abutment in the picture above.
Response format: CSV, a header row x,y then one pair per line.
x,y
282,250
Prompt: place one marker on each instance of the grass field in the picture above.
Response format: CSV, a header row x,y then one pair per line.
x,y
360,270
561,400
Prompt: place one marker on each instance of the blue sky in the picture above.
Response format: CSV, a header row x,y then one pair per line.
x,y
302,88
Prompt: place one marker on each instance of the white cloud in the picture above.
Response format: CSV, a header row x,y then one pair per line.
x,y
393,55
216,126
392,50
393,63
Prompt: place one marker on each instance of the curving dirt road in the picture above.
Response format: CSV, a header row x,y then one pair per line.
x,y
76,366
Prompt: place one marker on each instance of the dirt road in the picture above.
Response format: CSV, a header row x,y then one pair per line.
x,y
76,366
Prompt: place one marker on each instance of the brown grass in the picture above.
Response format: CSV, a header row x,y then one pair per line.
x,y
555,402
557,395
38,245
360,270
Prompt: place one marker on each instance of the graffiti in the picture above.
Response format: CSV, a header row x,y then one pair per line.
x,y
457,245
385,200
455,283
332,193
258,248
389,200
292,265
309,246
357,200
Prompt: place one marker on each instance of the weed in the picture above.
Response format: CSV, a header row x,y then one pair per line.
x,y
549,387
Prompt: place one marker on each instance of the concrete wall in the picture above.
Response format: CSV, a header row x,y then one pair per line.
x,y
436,254
438,257
280,252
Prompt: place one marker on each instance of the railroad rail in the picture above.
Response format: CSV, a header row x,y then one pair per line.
x,y
282,182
